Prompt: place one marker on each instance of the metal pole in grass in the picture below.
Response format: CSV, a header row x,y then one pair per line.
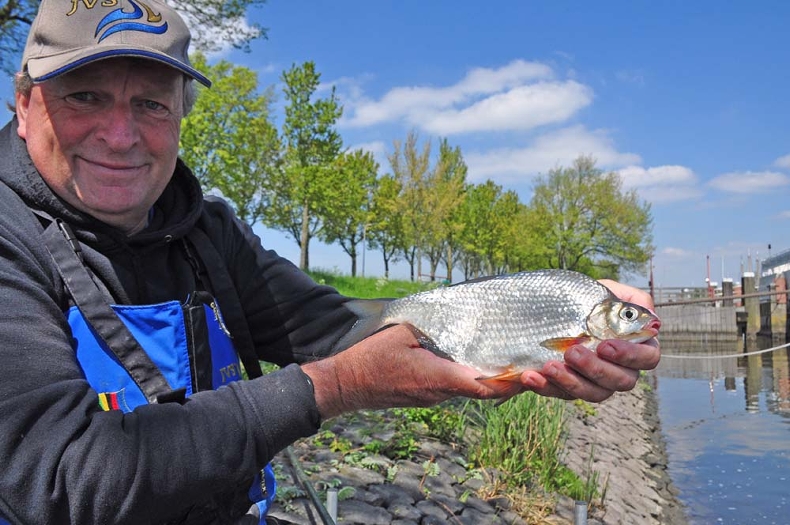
x,y
331,503
312,494
580,513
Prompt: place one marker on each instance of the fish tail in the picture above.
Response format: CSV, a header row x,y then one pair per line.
x,y
368,312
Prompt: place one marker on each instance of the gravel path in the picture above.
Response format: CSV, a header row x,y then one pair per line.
x,y
436,486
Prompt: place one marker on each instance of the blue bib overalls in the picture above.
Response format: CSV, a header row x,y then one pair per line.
x,y
137,354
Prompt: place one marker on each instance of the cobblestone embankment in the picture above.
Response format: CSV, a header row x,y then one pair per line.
x,y
436,487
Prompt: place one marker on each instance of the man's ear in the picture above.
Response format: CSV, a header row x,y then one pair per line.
x,y
22,106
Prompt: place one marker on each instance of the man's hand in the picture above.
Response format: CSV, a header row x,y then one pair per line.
x,y
595,376
390,369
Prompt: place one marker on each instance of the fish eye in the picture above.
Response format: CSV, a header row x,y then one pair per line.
x,y
629,313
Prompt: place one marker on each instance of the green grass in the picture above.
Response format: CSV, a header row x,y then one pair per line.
x,y
369,287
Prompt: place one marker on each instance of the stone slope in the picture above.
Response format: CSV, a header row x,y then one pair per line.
x,y
436,487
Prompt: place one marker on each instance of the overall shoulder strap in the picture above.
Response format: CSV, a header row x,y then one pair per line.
x,y
66,252
225,291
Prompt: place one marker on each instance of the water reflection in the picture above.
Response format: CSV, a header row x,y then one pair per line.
x,y
695,357
727,425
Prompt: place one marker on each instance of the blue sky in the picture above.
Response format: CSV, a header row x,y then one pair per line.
x,y
687,100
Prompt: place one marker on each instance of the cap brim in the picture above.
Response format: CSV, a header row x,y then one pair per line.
x,y
42,69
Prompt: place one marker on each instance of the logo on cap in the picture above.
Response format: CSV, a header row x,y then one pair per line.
x,y
127,21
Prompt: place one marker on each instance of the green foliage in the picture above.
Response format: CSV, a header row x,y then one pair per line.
x,y
333,442
445,422
229,141
385,225
522,438
367,287
347,212
303,190
410,168
585,408
16,17
584,221
442,195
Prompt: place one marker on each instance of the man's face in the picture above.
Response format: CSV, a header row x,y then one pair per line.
x,y
105,136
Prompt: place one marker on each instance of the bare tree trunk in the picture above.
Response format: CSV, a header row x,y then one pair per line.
x,y
304,240
450,263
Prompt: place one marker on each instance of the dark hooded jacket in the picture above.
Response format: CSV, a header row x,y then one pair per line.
x,y
63,459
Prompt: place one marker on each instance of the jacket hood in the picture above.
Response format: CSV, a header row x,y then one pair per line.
x,y
172,216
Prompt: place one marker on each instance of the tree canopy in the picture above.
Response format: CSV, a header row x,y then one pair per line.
x,y
229,140
301,191
581,219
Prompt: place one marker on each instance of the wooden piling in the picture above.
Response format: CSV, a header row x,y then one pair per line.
x,y
726,291
751,304
778,316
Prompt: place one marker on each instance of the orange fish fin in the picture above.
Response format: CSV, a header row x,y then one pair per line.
x,y
510,374
561,344
507,383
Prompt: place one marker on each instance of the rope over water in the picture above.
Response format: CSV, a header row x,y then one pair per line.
x,y
756,352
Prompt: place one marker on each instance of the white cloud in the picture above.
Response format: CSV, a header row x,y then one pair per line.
x,y
661,183
377,148
678,253
750,181
783,162
783,214
559,148
520,95
521,108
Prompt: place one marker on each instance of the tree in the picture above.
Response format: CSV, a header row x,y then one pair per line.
x,y
348,202
447,189
16,17
311,146
479,233
586,222
385,231
229,140
410,168
215,24
488,215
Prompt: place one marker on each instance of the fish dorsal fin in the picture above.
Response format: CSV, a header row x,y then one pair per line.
x,y
561,344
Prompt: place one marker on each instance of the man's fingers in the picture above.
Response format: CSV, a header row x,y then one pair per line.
x,y
642,356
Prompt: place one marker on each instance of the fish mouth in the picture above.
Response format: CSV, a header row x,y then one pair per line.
x,y
643,335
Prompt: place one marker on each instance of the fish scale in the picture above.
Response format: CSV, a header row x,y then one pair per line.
x,y
509,323
500,321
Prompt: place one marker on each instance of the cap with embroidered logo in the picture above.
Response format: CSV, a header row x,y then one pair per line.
x,y
67,35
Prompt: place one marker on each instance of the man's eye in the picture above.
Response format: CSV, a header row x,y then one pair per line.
x,y
152,105
82,96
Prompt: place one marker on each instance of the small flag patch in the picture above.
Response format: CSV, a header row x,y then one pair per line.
x,y
111,400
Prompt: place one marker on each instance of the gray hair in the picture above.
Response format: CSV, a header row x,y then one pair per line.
x,y
23,85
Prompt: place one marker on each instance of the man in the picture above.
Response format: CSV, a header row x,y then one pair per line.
x,y
97,211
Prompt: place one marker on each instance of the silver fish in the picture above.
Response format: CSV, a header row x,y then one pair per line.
x,y
506,324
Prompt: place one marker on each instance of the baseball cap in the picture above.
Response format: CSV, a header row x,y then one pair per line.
x,y
66,35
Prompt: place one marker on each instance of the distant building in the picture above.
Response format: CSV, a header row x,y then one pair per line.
x,y
776,264
776,270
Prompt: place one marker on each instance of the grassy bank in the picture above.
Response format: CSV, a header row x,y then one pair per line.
x,y
522,439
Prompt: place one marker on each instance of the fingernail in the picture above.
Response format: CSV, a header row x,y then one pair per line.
x,y
573,353
552,370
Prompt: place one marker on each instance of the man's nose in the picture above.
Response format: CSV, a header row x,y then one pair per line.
x,y
120,130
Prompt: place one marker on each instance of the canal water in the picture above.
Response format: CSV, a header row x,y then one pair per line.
x,y
727,425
